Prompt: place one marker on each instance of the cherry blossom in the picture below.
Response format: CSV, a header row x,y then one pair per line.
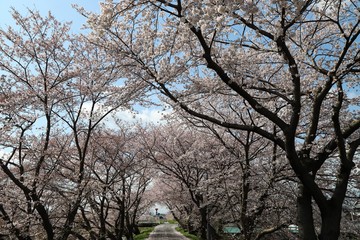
x,y
249,65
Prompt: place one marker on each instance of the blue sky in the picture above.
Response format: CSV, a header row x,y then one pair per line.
x,y
61,9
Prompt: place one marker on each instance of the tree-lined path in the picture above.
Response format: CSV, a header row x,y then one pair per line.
x,y
261,119
166,231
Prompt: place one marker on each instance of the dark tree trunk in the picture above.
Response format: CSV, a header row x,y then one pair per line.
x,y
120,222
203,215
305,215
136,229
330,225
331,214
246,221
207,231
102,231
129,227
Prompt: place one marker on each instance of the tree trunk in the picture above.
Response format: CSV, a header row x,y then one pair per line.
x,y
305,215
330,225
203,227
102,219
207,231
129,227
134,227
120,221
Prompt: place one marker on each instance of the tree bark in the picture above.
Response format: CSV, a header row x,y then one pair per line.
x,y
305,215
207,231
203,215
331,215
129,227
330,225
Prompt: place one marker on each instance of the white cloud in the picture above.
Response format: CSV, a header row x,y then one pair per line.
x,y
154,115
148,115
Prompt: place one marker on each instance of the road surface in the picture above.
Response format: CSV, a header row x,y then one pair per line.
x,y
166,231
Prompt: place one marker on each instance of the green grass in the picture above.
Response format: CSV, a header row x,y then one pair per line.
x,y
186,234
144,233
172,221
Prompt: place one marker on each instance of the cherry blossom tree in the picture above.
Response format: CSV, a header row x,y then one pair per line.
x,y
289,64
174,195
212,181
182,158
56,91
252,188
120,176
88,99
35,62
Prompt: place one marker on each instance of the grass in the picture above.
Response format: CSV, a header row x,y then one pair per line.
x,y
186,234
144,233
172,221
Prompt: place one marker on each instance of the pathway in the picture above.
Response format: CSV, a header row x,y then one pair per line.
x,y
166,231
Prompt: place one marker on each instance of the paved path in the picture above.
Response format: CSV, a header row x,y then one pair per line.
x,y
166,231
